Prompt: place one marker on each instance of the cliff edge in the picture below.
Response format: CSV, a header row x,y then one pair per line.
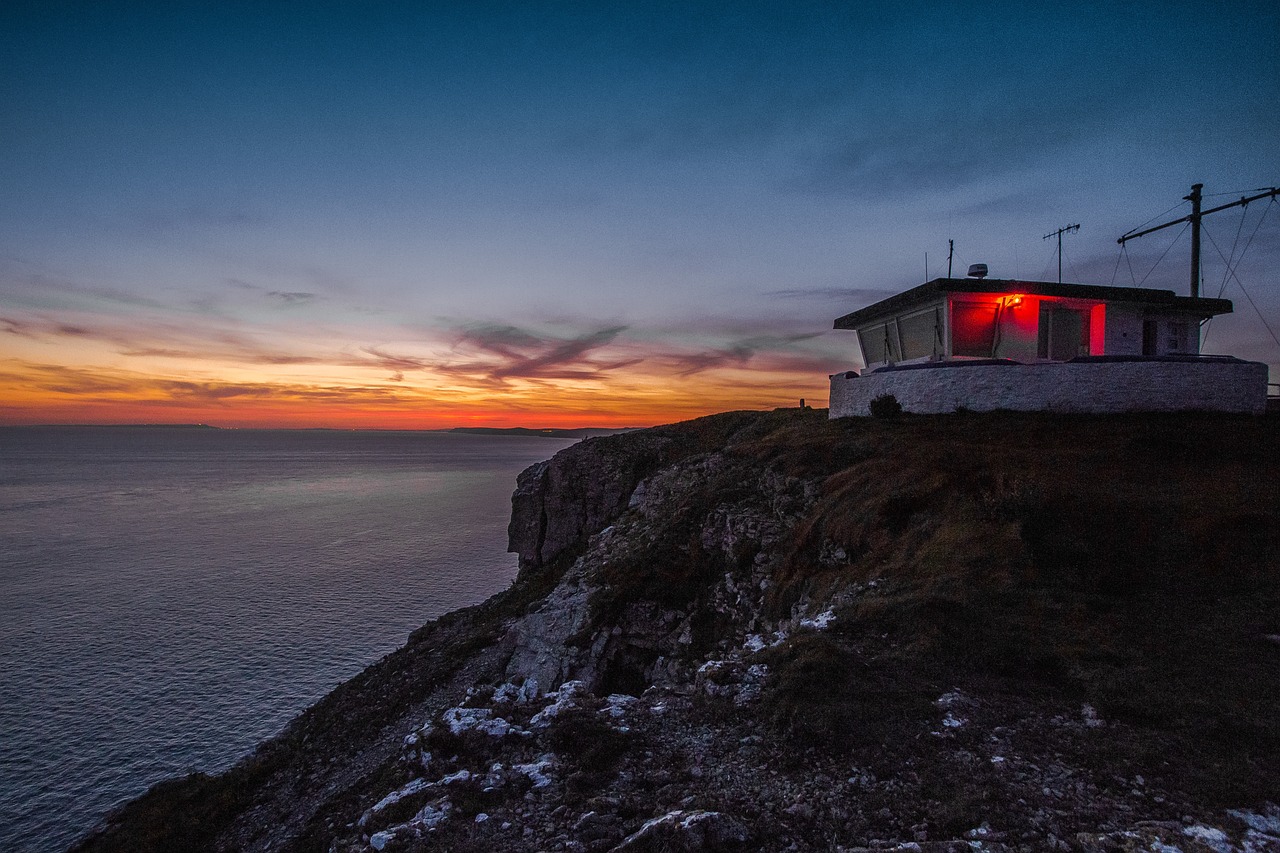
x,y
771,631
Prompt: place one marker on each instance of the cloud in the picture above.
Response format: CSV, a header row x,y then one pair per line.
x,y
937,149
198,216
737,354
100,385
498,353
17,327
831,293
291,297
36,289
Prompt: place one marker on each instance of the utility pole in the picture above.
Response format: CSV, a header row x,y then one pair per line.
x,y
1194,198
1194,218
1065,230
951,245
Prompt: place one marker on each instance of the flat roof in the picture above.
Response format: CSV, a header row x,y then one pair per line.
x,y
1147,296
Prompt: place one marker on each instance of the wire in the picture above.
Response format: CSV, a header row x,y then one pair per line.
x,y
1238,192
1075,274
1116,269
1153,219
1133,279
1254,305
1044,274
1226,276
1251,236
1185,226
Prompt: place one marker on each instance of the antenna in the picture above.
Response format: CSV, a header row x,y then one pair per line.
x,y
1194,218
951,245
1068,229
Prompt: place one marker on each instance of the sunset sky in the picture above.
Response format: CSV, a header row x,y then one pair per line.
x,y
422,215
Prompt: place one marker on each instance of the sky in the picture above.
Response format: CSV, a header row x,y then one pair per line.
x,y
423,215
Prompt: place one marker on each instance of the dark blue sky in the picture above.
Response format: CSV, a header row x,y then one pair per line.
x,y
597,194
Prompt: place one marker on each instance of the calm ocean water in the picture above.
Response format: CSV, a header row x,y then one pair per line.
x,y
169,597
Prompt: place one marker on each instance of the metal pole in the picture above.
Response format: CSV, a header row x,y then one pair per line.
x,y
1194,198
951,244
1065,230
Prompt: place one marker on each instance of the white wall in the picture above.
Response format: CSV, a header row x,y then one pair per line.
x,y
1124,330
1136,386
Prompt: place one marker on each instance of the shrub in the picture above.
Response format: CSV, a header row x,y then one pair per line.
x,y
820,694
582,736
885,406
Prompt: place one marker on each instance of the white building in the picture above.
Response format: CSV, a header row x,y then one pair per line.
x,y
984,344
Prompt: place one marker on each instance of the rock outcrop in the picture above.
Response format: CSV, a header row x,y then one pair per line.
x,y
768,631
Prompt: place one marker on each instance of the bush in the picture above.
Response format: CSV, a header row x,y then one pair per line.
x,y
820,694
885,406
582,736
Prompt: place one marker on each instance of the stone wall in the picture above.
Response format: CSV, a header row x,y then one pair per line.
x,y
1098,387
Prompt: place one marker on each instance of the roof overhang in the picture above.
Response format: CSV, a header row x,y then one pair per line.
x,y
930,291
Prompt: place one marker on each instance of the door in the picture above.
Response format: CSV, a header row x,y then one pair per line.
x,y
1064,333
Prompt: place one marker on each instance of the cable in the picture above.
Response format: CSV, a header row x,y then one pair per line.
x,y
1153,219
1256,310
1238,192
1226,276
1074,272
1165,252
1251,236
1132,278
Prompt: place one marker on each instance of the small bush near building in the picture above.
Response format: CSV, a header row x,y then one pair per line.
x,y
885,406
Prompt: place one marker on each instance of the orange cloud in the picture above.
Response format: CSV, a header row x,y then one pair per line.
x,y
78,367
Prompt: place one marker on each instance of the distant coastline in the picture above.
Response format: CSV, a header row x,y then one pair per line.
x,y
583,432
548,432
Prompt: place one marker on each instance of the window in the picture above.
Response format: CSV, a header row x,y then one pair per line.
x,y
973,328
880,343
921,334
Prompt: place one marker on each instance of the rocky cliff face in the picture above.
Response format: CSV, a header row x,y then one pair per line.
x,y
767,631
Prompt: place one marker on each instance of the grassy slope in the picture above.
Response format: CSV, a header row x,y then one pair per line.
x,y
1132,561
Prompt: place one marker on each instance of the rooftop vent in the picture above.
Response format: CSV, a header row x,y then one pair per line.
x,y
977,270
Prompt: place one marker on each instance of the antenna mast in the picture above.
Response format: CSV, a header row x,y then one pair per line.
x,y
951,245
1194,218
1064,230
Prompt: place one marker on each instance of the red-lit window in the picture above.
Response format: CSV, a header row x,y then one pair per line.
x,y
973,328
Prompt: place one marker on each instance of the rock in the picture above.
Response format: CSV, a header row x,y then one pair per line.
x,y
685,832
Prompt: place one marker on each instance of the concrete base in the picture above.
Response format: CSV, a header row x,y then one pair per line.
x,y
1097,385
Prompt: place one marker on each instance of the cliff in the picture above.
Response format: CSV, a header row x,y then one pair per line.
x,y
771,631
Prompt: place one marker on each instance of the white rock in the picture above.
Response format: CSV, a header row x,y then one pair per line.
x,y
617,705
819,622
460,776
406,790
462,720
570,695
537,771
1215,839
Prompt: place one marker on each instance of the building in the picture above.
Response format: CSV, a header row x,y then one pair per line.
x,y
984,344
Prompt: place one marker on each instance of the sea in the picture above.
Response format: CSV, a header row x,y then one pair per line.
x,y
171,596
